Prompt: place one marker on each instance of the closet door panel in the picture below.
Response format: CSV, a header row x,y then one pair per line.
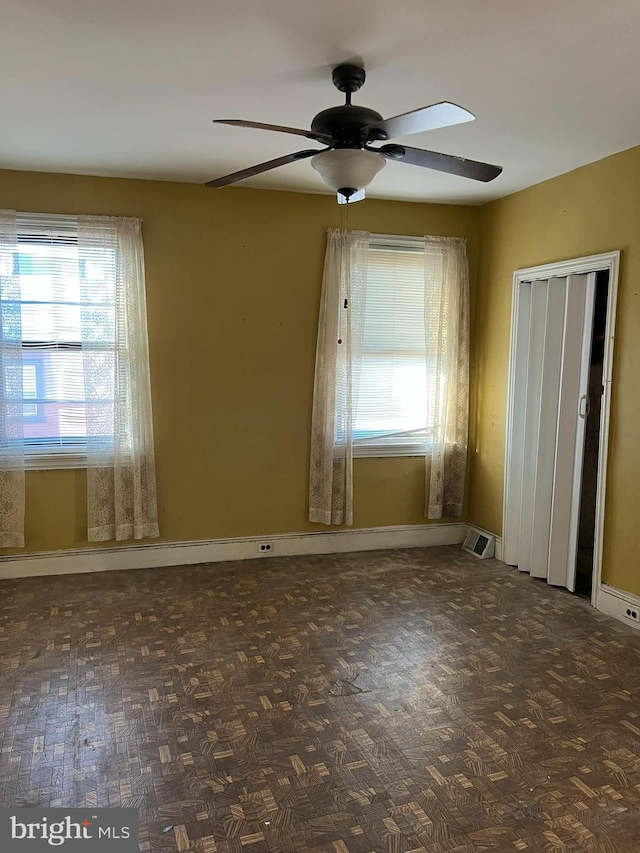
x,y
537,318
578,325
513,490
552,334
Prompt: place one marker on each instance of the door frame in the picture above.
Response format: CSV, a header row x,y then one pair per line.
x,y
593,263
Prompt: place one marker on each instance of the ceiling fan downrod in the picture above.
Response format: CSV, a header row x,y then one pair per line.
x,y
348,78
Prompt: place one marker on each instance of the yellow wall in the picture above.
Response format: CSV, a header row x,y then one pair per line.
x,y
233,292
591,210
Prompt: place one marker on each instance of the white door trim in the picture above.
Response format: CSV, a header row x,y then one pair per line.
x,y
593,263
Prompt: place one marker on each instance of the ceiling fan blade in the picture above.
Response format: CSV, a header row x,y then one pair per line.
x,y
440,162
426,118
234,177
310,134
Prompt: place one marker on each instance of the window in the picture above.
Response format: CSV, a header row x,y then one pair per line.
x,y
391,411
392,366
75,389
66,310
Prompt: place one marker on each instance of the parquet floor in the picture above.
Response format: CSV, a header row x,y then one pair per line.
x,y
414,700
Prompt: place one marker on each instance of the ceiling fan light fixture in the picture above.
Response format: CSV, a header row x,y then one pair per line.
x,y
347,168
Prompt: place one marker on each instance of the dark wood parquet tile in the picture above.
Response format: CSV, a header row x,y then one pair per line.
x,y
412,701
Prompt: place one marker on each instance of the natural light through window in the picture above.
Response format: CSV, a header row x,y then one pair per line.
x,y
391,411
67,319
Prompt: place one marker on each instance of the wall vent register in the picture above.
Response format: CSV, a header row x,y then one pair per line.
x,y
479,543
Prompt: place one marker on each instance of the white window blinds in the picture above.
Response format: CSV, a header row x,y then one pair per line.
x,y
74,368
392,366
391,408
66,311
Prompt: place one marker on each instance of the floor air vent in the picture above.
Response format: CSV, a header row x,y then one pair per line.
x,y
479,543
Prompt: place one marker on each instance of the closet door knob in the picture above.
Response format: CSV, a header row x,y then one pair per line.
x,y
584,406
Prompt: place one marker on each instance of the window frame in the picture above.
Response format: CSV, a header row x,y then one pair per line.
x,y
374,449
38,415
39,229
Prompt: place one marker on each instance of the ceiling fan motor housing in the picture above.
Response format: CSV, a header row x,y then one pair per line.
x,y
346,125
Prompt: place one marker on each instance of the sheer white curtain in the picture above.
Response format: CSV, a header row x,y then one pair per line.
x,y
121,480
446,313
11,435
340,333
339,363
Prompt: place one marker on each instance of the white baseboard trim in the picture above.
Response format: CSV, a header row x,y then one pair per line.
x,y
498,554
615,602
84,560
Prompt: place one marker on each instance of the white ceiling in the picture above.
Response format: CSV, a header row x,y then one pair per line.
x,y
129,87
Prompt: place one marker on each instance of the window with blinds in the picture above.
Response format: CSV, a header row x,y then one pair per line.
x,y
392,407
66,313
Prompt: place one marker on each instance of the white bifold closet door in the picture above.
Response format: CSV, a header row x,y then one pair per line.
x,y
552,358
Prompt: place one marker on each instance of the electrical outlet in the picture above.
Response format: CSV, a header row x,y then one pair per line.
x,y
632,613
265,548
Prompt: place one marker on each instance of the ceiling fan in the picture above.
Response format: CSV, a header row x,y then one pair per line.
x,y
349,162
